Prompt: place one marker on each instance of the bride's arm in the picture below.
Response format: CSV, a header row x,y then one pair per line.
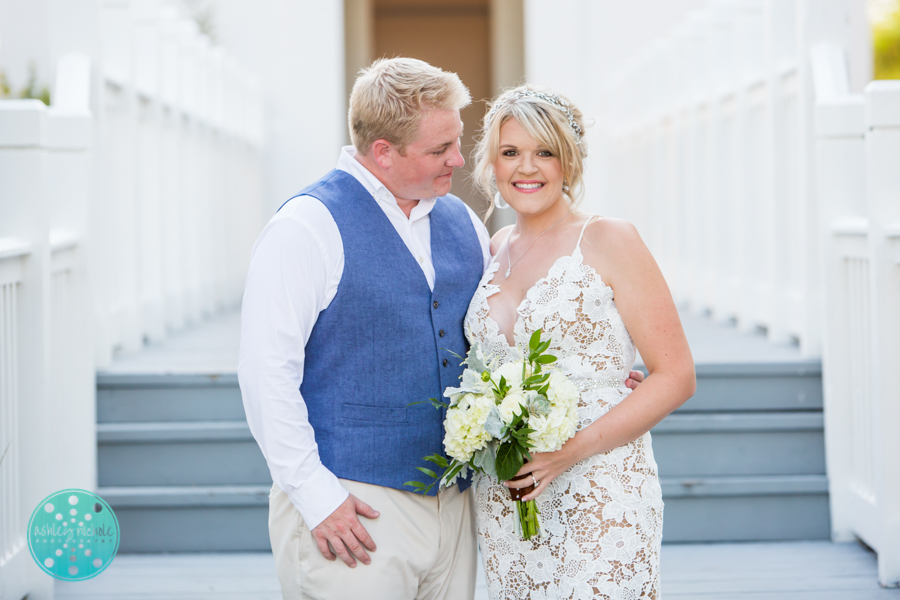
x,y
618,254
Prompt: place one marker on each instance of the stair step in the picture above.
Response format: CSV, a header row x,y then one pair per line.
x,y
795,385
741,422
191,518
686,487
185,496
746,509
198,431
168,397
740,444
190,453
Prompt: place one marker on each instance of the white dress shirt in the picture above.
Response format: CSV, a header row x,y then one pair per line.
x,y
295,269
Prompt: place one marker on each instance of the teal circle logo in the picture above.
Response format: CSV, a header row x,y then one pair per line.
x,y
73,535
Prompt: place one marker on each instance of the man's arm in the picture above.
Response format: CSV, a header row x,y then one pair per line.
x,y
293,273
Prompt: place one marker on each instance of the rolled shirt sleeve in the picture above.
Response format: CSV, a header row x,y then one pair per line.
x,y
293,269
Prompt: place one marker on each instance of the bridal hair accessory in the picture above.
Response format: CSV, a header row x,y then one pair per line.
x,y
499,202
551,99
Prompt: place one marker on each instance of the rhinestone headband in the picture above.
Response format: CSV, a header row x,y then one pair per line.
x,y
551,99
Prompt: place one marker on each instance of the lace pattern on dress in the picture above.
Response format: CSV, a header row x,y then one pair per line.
x,y
602,517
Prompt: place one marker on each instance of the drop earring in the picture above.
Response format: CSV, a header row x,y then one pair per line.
x,y
499,202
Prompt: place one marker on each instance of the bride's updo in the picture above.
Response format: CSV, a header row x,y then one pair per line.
x,y
549,118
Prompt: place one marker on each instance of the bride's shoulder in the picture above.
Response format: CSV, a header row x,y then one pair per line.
x,y
605,233
498,239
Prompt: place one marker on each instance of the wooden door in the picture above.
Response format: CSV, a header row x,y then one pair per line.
x,y
455,36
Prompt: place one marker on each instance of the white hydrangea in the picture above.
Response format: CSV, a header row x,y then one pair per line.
x,y
553,430
511,406
464,426
562,391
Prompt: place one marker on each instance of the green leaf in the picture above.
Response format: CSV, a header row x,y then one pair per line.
x,y
542,347
427,471
509,461
437,459
545,359
535,340
433,401
544,390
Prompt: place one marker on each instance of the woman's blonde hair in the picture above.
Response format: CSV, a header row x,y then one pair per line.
x,y
550,119
391,95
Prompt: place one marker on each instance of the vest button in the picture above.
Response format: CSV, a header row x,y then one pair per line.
x,y
441,333
445,362
435,304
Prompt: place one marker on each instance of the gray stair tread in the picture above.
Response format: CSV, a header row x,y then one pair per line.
x,y
773,421
211,347
761,485
184,495
809,570
169,431
208,347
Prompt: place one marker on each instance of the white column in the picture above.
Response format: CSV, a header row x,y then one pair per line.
x,y
840,179
883,184
25,339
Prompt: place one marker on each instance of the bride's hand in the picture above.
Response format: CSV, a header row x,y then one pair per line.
x,y
544,467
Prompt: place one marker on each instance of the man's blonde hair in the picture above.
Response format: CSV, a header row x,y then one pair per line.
x,y
391,95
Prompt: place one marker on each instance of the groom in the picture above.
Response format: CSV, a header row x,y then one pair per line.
x,y
353,309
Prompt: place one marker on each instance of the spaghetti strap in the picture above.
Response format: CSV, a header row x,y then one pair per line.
x,y
588,222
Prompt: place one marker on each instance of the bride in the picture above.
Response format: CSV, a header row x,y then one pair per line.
x,y
592,285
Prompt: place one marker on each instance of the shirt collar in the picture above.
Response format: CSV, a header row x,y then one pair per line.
x,y
347,162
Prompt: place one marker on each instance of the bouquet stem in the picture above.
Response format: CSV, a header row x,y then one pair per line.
x,y
529,522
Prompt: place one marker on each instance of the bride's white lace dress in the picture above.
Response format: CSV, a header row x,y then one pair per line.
x,y
603,517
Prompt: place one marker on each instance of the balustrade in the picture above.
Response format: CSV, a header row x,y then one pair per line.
x,y
127,209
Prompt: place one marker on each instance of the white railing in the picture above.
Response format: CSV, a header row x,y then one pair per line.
x,y
12,529
47,411
127,209
708,148
858,145
179,194
770,194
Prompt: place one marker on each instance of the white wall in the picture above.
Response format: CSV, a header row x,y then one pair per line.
x,y
296,48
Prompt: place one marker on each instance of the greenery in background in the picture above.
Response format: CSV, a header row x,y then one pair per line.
x,y
32,89
206,22
886,44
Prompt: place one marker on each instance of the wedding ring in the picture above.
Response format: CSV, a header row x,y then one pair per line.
x,y
536,482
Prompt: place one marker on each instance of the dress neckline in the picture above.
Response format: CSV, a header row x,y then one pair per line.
x,y
493,288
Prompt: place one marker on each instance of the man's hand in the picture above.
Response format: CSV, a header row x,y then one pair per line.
x,y
634,379
345,533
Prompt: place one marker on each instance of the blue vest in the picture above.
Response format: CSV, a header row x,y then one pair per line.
x,y
386,339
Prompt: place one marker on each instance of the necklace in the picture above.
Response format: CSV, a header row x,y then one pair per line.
x,y
511,262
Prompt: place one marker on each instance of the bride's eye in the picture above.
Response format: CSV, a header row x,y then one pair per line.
x,y
545,154
509,153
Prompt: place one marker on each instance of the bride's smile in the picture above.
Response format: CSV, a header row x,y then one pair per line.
x,y
529,176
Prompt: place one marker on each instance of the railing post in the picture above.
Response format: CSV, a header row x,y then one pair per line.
x,y
70,188
840,180
24,341
883,186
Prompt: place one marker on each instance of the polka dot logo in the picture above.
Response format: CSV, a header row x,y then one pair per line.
x,y
73,535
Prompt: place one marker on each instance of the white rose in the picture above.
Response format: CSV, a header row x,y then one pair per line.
x,y
512,372
511,406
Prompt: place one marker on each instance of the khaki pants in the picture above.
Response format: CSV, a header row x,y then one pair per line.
x,y
426,549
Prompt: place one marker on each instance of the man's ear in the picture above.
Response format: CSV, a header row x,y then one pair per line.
x,y
383,153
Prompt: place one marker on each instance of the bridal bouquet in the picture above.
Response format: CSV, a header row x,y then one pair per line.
x,y
498,416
